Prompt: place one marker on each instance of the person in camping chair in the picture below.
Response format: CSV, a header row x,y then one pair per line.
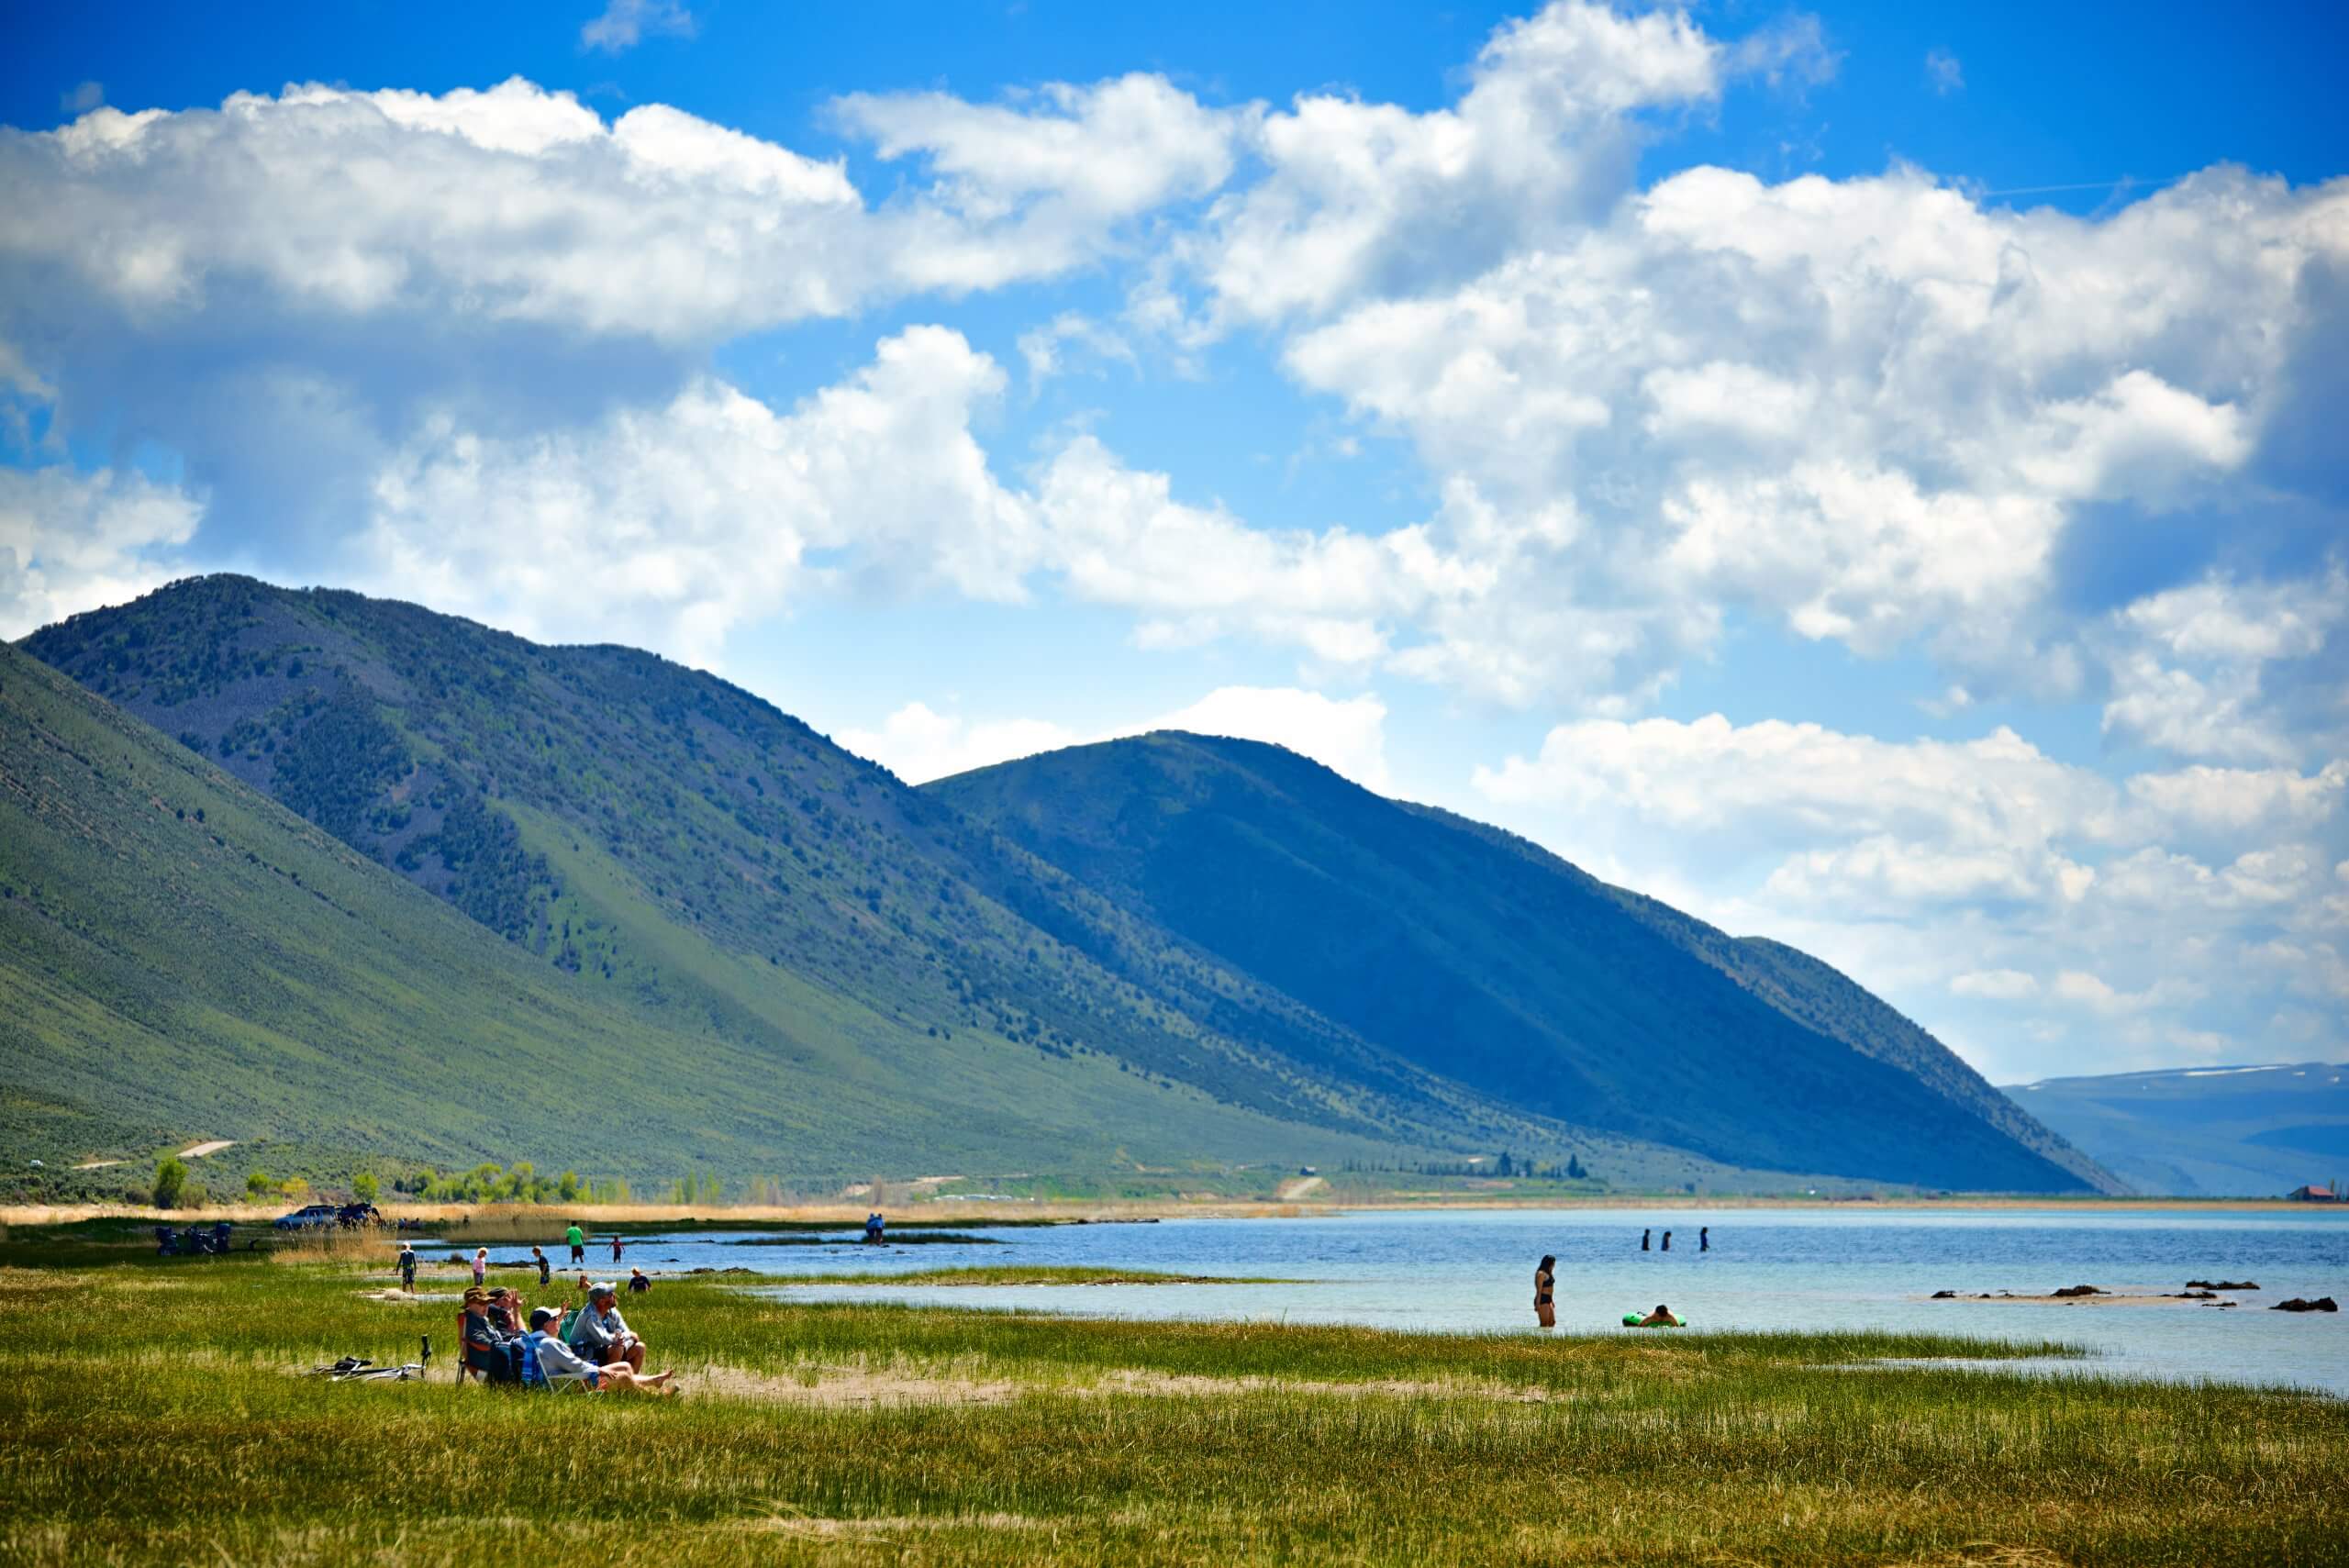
x,y
485,1345
602,1335
558,1364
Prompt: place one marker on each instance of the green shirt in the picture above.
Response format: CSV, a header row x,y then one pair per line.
x,y
575,1235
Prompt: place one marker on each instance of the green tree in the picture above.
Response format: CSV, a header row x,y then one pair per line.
x,y
363,1187
171,1181
258,1186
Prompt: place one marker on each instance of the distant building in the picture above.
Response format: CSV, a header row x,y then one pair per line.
x,y
2311,1195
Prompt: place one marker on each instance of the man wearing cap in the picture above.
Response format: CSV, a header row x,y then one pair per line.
x,y
601,1334
559,1363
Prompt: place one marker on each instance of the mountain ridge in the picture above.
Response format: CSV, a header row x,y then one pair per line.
x,y
1462,939
700,856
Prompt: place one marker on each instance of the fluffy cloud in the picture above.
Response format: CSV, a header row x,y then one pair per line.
x,y
1371,198
1871,409
2191,668
1041,183
510,205
666,527
73,541
1972,880
1348,735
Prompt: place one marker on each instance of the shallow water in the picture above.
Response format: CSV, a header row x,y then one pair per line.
x,y
1768,1269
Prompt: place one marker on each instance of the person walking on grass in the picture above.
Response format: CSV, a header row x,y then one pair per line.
x,y
408,1268
1544,1279
578,1240
481,1264
546,1270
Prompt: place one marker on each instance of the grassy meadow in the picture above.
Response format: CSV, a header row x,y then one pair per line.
x,y
151,1414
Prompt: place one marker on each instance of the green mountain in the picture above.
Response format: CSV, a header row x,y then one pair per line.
x,y
2207,1132
1484,959
181,958
866,979
673,927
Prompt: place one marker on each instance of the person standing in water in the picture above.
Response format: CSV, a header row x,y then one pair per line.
x,y
1667,1240
615,1246
1704,1237
1644,1235
577,1239
1544,1278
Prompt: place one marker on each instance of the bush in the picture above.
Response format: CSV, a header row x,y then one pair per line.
x,y
258,1186
171,1181
363,1187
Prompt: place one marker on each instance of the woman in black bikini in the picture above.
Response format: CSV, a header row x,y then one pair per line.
x,y
1543,1278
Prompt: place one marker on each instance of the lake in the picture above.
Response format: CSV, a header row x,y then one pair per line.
x,y
1473,1270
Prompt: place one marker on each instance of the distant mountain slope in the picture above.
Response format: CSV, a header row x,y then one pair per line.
x,y
2205,1131
182,957
1824,999
1489,961
677,845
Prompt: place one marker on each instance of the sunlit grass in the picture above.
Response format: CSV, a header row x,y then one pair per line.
x,y
154,1418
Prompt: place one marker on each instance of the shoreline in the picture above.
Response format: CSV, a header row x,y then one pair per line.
x,y
930,1212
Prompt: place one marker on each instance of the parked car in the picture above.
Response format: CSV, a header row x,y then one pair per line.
x,y
316,1217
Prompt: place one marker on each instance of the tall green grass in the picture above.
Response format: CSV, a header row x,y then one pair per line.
x,y
149,1416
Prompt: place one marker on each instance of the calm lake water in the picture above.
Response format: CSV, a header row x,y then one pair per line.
x,y
1768,1269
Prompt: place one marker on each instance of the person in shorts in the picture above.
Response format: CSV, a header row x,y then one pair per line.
x,y
559,1363
578,1239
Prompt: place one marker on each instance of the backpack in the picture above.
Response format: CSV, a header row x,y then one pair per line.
x,y
533,1374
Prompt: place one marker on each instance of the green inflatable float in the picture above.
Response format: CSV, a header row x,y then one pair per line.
x,y
1633,1320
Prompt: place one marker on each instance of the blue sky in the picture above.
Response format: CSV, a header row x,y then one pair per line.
x,y
1869,477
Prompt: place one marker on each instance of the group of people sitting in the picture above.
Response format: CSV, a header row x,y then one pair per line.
x,y
594,1350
